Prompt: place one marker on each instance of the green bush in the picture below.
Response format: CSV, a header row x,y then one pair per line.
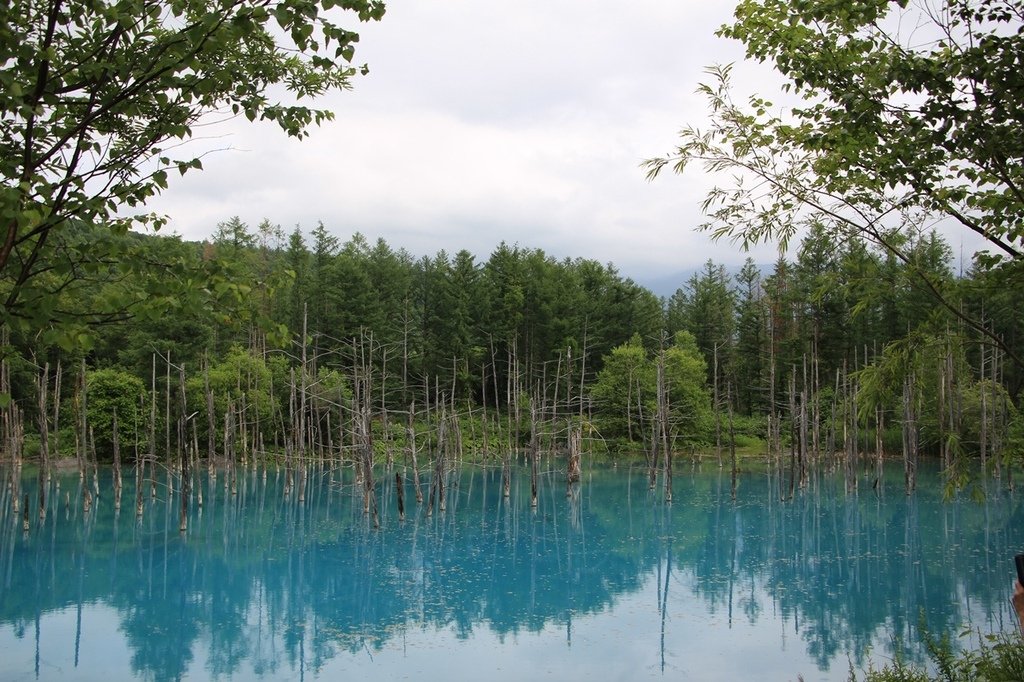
x,y
114,391
999,658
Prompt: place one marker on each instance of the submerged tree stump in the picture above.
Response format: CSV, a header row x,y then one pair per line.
x,y
574,466
401,496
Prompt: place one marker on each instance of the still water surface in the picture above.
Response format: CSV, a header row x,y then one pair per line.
x,y
609,584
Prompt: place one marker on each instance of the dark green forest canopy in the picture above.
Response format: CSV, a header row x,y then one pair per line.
x,y
867,329
571,334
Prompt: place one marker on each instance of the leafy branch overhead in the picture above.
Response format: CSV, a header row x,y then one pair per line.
x,y
908,116
96,95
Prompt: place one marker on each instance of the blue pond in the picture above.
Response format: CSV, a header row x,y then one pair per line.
x,y
610,583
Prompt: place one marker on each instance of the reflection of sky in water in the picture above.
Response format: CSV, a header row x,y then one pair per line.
x,y
620,644
261,588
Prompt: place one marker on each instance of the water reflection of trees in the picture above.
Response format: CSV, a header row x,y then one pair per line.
x,y
834,566
264,582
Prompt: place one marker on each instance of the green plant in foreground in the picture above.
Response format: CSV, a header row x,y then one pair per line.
x,y
999,658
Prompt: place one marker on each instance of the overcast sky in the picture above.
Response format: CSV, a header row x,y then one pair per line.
x,y
483,122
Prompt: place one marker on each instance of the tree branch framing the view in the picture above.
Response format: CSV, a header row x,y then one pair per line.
x,y
95,94
912,117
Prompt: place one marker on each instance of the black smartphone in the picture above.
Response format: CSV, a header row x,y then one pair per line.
x,y
1019,560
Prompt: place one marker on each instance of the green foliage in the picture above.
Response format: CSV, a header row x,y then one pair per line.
x,y
999,658
523,324
625,392
115,391
890,132
750,432
707,310
95,98
241,379
688,397
1014,452
856,66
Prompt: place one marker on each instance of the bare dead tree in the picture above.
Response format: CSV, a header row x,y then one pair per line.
x,y
42,384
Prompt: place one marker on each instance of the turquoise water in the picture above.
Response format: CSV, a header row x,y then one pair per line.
x,y
609,584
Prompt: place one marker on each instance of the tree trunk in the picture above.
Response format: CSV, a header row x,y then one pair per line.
x,y
983,425
574,468
401,495
793,439
44,446
534,454
186,482
300,445
410,436
879,446
732,441
115,435
82,424
909,435
718,410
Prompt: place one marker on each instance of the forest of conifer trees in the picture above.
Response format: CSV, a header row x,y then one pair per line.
x,y
303,348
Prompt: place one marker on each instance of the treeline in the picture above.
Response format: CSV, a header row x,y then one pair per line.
x,y
301,343
848,350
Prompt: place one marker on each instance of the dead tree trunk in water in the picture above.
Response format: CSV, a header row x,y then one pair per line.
x,y
152,431
167,415
909,435
95,470
54,445
854,421
300,449
410,436
815,393
534,453
401,495
82,430
718,411
879,446
485,419
849,432
804,448
291,434
732,442
793,440
574,468
983,425
511,407
830,434
229,448
998,416
211,417
186,481
661,434
95,462
140,472
366,445
651,453
435,480
116,437
44,446
774,425
943,411
438,489
8,447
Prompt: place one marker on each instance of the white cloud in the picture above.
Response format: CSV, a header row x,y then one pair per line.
x,y
485,122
